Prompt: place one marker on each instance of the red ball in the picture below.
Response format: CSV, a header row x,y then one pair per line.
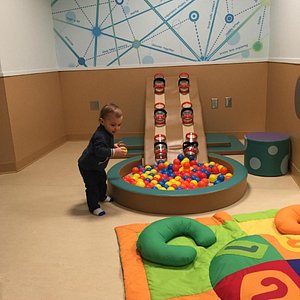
x,y
186,165
223,170
176,167
135,170
215,170
176,161
161,166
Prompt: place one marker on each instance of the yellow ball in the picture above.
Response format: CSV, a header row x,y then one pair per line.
x,y
194,182
166,163
170,188
212,177
140,183
228,175
220,167
153,171
154,181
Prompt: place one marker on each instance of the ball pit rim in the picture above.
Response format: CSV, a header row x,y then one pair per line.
x,y
239,174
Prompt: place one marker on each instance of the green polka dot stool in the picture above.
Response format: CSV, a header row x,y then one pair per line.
x,y
267,153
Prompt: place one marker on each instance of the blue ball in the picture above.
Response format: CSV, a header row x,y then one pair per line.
x,y
191,157
180,156
221,177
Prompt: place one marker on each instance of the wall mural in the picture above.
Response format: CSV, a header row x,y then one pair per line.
x,y
112,33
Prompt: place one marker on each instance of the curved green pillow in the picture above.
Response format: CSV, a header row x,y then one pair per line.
x,y
152,242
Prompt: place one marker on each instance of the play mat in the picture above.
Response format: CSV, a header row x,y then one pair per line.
x,y
248,256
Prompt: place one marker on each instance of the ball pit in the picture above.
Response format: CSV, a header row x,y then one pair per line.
x,y
206,197
184,173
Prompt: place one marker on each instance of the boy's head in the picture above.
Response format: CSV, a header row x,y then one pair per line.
x,y
111,117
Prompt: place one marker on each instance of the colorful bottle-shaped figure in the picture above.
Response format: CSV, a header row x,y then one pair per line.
x,y
160,114
159,84
184,83
160,147
190,146
187,114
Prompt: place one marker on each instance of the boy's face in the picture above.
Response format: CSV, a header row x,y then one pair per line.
x,y
111,123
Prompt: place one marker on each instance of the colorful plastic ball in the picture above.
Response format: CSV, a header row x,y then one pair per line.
x,y
223,170
135,170
180,156
140,183
176,161
221,177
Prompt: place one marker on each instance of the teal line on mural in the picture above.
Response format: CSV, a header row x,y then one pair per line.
x,y
231,54
53,2
136,15
69,47
262,23
96,35
232,33
73,25
114,32
211,28
171,28
219,35
123,32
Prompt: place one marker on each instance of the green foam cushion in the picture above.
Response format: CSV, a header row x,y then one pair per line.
x,y
152,242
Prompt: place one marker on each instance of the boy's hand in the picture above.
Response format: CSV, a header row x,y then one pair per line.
x,y
120,151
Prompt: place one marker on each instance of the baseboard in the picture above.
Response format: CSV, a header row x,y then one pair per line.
x,y
8,167
18,165
295,173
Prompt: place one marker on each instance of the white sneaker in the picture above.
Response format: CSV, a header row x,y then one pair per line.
x,y
107,199
99,212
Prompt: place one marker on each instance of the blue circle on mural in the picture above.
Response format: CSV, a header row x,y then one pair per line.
x,y
81,61
148,60
245,53
126,9
96,31
70,17
119,2
136,44
194,16
234,39
229,18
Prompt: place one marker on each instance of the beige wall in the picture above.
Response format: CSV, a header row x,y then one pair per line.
x,y
245,83
34,109
281,115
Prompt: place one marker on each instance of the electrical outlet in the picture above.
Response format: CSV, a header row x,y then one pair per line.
x,y
228,102
214,103
94,105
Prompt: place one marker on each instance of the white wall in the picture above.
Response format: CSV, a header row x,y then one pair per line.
x,y
26,37
284,31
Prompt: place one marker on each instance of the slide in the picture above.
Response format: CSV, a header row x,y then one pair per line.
x,y
172,128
